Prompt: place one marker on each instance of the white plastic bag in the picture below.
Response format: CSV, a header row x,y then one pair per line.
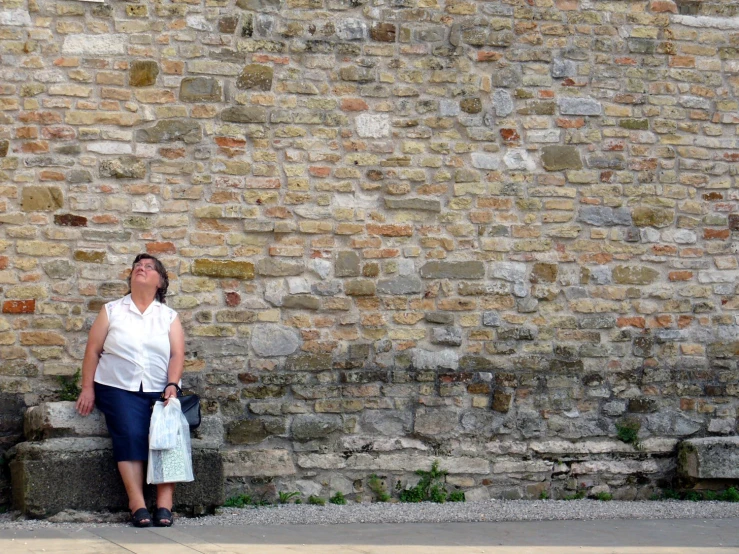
x,y
165,425
175,464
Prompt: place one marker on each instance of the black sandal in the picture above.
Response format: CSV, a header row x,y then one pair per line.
x,y
141,518
163,518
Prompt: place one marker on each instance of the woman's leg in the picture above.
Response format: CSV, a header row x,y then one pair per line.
x,y
165,495
132,472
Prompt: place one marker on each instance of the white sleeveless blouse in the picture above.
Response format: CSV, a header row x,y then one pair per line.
x,y
136,350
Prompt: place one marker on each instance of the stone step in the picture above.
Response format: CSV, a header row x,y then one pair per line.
x,y
71,473
709,458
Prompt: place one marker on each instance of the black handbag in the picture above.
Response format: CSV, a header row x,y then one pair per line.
x,y
190,405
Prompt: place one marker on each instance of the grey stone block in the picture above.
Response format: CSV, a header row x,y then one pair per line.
x,y
60,419
709,458
80,474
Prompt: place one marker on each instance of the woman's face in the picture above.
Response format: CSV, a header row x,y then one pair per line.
x,y
145,274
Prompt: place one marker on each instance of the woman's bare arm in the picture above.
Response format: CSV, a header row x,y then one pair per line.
x,y
95,342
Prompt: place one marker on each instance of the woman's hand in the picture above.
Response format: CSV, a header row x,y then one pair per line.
x,y
169,392
86,401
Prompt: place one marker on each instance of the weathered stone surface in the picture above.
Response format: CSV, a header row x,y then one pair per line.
x,y
644,216
503,103
309,362
80,474
41,199
171,130
274,340
603,216
60,419
200,89
634,275
579,106
347,264
256,76
453,270
278,268
244,114
562,68
143,73
421,204
373,126
426,359
434,423
709,458
308,427
223,269
95,45
557,158
246,431
399,285
257,463
123,168
449,336
4,145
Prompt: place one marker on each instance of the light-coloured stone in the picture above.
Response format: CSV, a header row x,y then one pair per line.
x,y
257,463
95,45
274,340
373,126
59,419
709,458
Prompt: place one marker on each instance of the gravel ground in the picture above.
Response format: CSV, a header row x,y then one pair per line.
x,y
492,510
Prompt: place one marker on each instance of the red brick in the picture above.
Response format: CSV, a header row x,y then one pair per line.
x,y
160,248
19,306
487,56
631,322
720,234
353,105
663,6
266,58
570,123
681,61
48,175
319,171
233,299
35,147
680,275
569,5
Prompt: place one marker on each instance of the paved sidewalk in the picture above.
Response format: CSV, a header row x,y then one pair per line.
x,y
694,536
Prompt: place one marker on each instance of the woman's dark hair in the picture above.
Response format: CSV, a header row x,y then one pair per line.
x,y
162,290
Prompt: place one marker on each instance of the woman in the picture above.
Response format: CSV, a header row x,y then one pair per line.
x,y
135,350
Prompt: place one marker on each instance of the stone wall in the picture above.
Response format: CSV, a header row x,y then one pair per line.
x,y
484,232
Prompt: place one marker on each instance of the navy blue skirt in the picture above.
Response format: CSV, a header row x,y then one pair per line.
x,y
127,415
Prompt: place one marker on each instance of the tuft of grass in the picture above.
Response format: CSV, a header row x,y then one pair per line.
x,y
316,500
338,499
238,501
605,496
430,488
628,431
544,495
285,497
579,495
729,495
377,486
70,386
456,496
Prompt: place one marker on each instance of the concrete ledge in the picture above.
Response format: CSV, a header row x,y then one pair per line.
x,y
80,474
709,458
